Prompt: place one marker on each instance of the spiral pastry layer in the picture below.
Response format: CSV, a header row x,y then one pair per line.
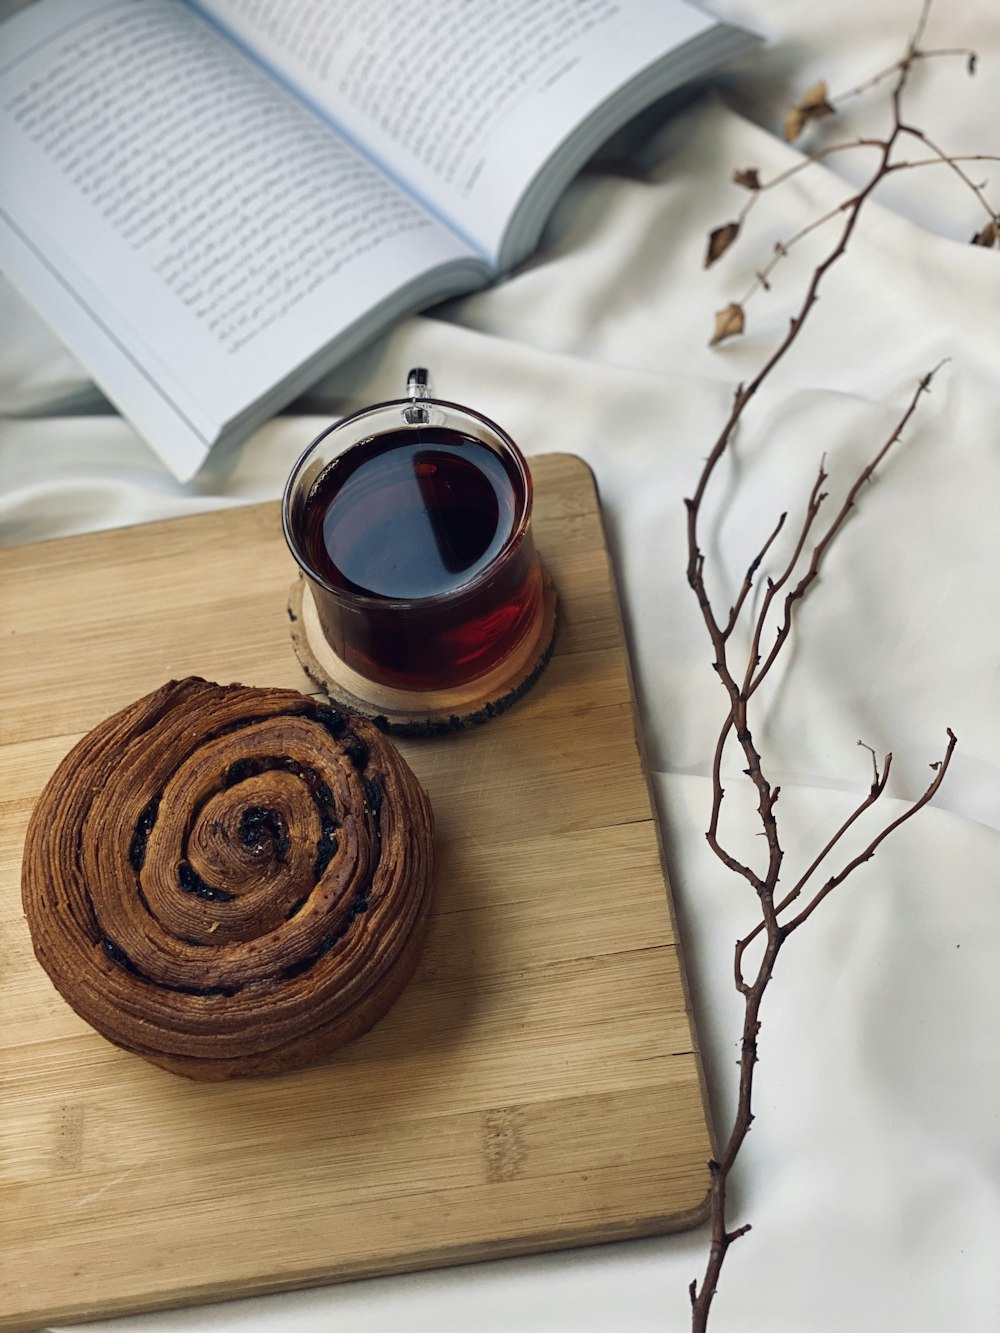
x,y
229,881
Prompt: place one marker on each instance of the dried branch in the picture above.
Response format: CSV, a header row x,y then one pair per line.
x,y
776,614
816,104
782,248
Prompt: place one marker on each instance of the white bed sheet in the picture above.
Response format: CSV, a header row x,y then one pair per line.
x,y
872,1174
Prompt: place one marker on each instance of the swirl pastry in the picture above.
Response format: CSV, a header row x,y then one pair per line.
x,y
229,881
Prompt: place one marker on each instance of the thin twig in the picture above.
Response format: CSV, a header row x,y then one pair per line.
x,y
947,160
822,546
755,563
782,248
876,842
899,66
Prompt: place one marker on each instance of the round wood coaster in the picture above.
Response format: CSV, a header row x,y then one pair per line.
x,y
419,712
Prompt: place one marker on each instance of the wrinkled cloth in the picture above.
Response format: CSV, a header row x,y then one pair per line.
x,y
872,1173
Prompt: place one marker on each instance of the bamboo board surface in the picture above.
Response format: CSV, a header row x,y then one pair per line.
x,y
538,1084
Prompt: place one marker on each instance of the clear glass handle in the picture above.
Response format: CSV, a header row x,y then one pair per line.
x,y
417,388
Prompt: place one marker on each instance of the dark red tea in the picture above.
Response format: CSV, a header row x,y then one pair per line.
x,y
431,519
410,514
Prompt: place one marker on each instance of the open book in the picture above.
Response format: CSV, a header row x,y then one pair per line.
x,y
214,203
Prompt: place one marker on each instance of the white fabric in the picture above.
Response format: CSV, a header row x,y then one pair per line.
x,y
871,1175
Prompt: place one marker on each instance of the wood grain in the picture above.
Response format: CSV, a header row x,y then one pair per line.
x,y
538,1085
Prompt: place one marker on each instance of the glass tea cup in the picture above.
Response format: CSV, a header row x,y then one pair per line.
x,y
411,522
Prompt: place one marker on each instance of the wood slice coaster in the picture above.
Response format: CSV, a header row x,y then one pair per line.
x,y
419,712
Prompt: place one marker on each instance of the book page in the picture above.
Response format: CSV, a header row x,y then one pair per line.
x,y
196,234
464,100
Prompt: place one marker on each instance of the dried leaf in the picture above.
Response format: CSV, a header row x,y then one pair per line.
x,y
989,236
749,179
720,240
812,105
795,123
728,323
814,98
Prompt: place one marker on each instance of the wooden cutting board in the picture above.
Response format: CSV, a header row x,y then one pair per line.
x,y
537,1086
